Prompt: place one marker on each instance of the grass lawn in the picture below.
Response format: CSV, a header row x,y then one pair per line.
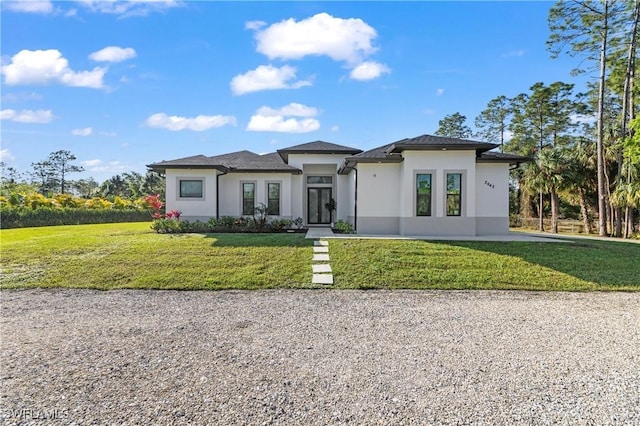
x,y
130,255
580,265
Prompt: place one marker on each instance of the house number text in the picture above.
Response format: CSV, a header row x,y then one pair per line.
x,y
489,184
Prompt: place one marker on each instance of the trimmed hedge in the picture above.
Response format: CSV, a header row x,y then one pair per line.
x,y
25,217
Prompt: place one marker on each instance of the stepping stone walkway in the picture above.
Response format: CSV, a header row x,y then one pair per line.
x,y
322,273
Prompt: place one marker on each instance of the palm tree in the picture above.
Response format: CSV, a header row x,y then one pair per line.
x,y
550,174
582,186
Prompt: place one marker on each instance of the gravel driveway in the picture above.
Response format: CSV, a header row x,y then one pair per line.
x,y
319,357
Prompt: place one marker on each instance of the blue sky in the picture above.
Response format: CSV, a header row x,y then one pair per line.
x,y
124,84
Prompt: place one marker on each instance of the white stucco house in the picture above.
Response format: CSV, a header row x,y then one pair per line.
x,y
427,185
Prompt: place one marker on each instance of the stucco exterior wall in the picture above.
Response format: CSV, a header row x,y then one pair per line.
x,y
299,160
192,208
350,195
231,191
387,195
384,193
438,163
492,198
378,198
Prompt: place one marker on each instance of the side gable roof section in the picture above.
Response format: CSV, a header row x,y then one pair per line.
x,y
193,162
235,162
317,147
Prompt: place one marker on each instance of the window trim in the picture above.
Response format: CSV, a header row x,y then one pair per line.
x,y
255,196
180,179
462,204
279,183
415,192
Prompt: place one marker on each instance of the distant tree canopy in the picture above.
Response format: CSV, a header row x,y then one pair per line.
x,y
454,126
51,176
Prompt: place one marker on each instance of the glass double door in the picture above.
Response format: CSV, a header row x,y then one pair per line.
x,y
317,212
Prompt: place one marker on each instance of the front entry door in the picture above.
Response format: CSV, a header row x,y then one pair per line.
x,y
317,213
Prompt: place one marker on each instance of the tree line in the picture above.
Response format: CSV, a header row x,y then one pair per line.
x,y
52,176
584,147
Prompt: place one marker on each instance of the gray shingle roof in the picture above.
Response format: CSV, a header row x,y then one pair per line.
x,y
196,161
431,142
499,157
240,161
317,147
390,153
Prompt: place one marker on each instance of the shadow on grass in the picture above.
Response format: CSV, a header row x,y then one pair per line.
x,y
606,263
259,240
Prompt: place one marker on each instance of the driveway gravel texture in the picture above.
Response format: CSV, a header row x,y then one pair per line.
x,y
319,357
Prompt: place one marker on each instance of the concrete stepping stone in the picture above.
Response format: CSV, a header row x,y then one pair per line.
x,y
318,269
322,279
321,243
321,249
320,257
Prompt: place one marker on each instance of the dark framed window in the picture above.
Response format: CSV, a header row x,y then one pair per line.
x,y
454,194
423,194
191,188
319,180
273,199
248,198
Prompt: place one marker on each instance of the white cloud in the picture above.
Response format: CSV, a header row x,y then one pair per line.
x,y
129,8
113,54
369,71
583,119
27,116
5,155
269,119
440,92
335,128
198,124
254,25
99,166
48,66
508,135
29,6
348,40
19,97
91,163
266,77
293,109
87,131
513,53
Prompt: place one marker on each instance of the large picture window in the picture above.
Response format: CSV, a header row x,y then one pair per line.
x,y
454,194
423,194
273,199
191,188
248,198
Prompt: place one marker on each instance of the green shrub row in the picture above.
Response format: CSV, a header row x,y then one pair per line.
x,y
225,224
26,217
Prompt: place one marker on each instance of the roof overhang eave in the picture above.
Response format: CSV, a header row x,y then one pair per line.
x,y
441,147
291,171
164,167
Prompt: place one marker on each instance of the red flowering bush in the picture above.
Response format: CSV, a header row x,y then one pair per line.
x,y
174,214
153,202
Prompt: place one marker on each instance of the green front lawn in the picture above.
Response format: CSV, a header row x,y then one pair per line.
x,y
581,265
132,256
